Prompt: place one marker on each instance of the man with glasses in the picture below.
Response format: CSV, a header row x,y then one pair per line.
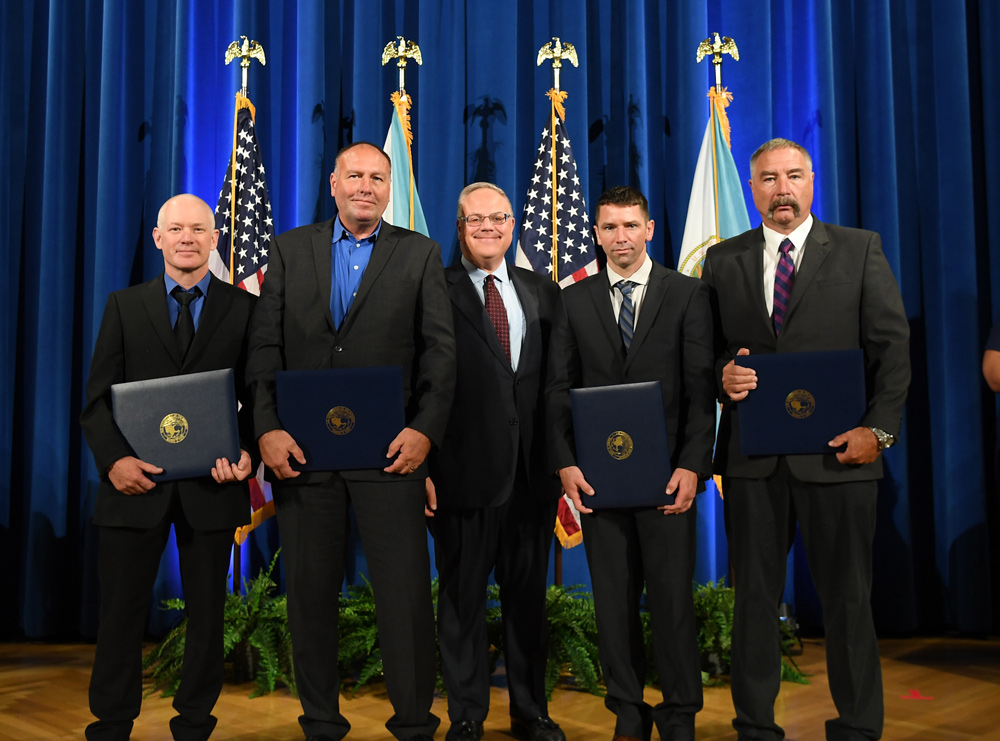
x,y
491,491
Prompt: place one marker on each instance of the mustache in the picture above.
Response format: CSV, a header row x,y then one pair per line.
x,y
784,201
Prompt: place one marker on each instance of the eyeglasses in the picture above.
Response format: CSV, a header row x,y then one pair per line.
x,y
497,219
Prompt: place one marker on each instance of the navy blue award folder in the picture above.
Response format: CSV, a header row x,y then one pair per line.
x,y
342,418
621,444
802,401
180,423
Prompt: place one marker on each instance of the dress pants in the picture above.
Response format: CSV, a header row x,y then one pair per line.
x,y
128,561
838,525
512,540
313,522
626,550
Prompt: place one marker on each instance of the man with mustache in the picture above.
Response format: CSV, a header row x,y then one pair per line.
x,y
796,284
350,292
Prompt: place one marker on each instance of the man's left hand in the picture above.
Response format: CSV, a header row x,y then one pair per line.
x,y
684,484
431,503
862,446
224,472
412,446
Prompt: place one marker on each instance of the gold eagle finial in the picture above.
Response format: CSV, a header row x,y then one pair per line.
x,y
557,51
721,45
401,50
247,51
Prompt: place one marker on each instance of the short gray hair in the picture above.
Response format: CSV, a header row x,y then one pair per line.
x,y
773,144
472,188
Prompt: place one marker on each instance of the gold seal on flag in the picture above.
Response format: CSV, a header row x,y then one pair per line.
x,y
174,428
800,404
340,420
619,445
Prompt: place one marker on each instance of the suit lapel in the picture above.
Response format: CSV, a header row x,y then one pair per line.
x,y
529,306
751,261
601,301
817,248
322,242
154,301
656,290
382,250
216,306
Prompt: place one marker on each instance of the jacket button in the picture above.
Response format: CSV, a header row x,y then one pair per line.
x,y
513,421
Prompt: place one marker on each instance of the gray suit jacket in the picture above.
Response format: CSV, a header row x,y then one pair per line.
x,y
844,297
400,316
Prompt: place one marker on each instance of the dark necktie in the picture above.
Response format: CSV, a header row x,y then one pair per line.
x,y
497,312
784,279
184,328
626,315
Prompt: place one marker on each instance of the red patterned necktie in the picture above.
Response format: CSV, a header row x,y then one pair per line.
x,y
784,279
497,312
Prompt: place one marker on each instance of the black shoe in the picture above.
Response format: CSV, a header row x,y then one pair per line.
x,y
537,729
421,737
465,730
320,738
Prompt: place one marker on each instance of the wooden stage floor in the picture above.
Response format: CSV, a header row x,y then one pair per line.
x,y
935,688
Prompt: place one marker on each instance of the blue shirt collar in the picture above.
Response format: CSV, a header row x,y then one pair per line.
x,y
339,229
202,284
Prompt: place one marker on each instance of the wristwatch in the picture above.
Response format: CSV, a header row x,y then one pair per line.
x,y
884,439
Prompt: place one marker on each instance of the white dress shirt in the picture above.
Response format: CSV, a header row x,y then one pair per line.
x,y
773,240
641,279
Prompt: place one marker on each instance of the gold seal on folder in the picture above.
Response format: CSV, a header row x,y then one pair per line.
x,y
174,428
619,445
800,404
340,420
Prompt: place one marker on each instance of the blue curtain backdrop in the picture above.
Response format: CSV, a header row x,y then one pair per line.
x,y
107,109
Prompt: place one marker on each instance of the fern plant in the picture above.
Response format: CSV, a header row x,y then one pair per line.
x,y
572,640
359,656
256,621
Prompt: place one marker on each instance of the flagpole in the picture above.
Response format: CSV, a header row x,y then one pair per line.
x,y
556,51
244,52
402,50
717,45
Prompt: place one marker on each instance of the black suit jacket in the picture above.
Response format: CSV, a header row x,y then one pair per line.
x,y
136,343
400,316
672,344
844,297
497,413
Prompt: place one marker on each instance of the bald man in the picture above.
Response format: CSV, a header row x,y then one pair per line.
x,y
139,339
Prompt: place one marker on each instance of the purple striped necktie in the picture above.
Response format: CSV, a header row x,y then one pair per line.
x,y
784,279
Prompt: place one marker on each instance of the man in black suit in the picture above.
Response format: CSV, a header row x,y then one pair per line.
x,y
352,292
639,321
141,337
496,492
795,284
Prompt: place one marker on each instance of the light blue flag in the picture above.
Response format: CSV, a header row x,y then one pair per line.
x,y
398,212
716,210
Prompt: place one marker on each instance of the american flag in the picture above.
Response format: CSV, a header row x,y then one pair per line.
x,y
575,254
253,228
572,248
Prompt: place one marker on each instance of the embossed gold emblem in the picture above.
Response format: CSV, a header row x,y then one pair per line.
x,y
619,445
340,420
174,428
800,404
